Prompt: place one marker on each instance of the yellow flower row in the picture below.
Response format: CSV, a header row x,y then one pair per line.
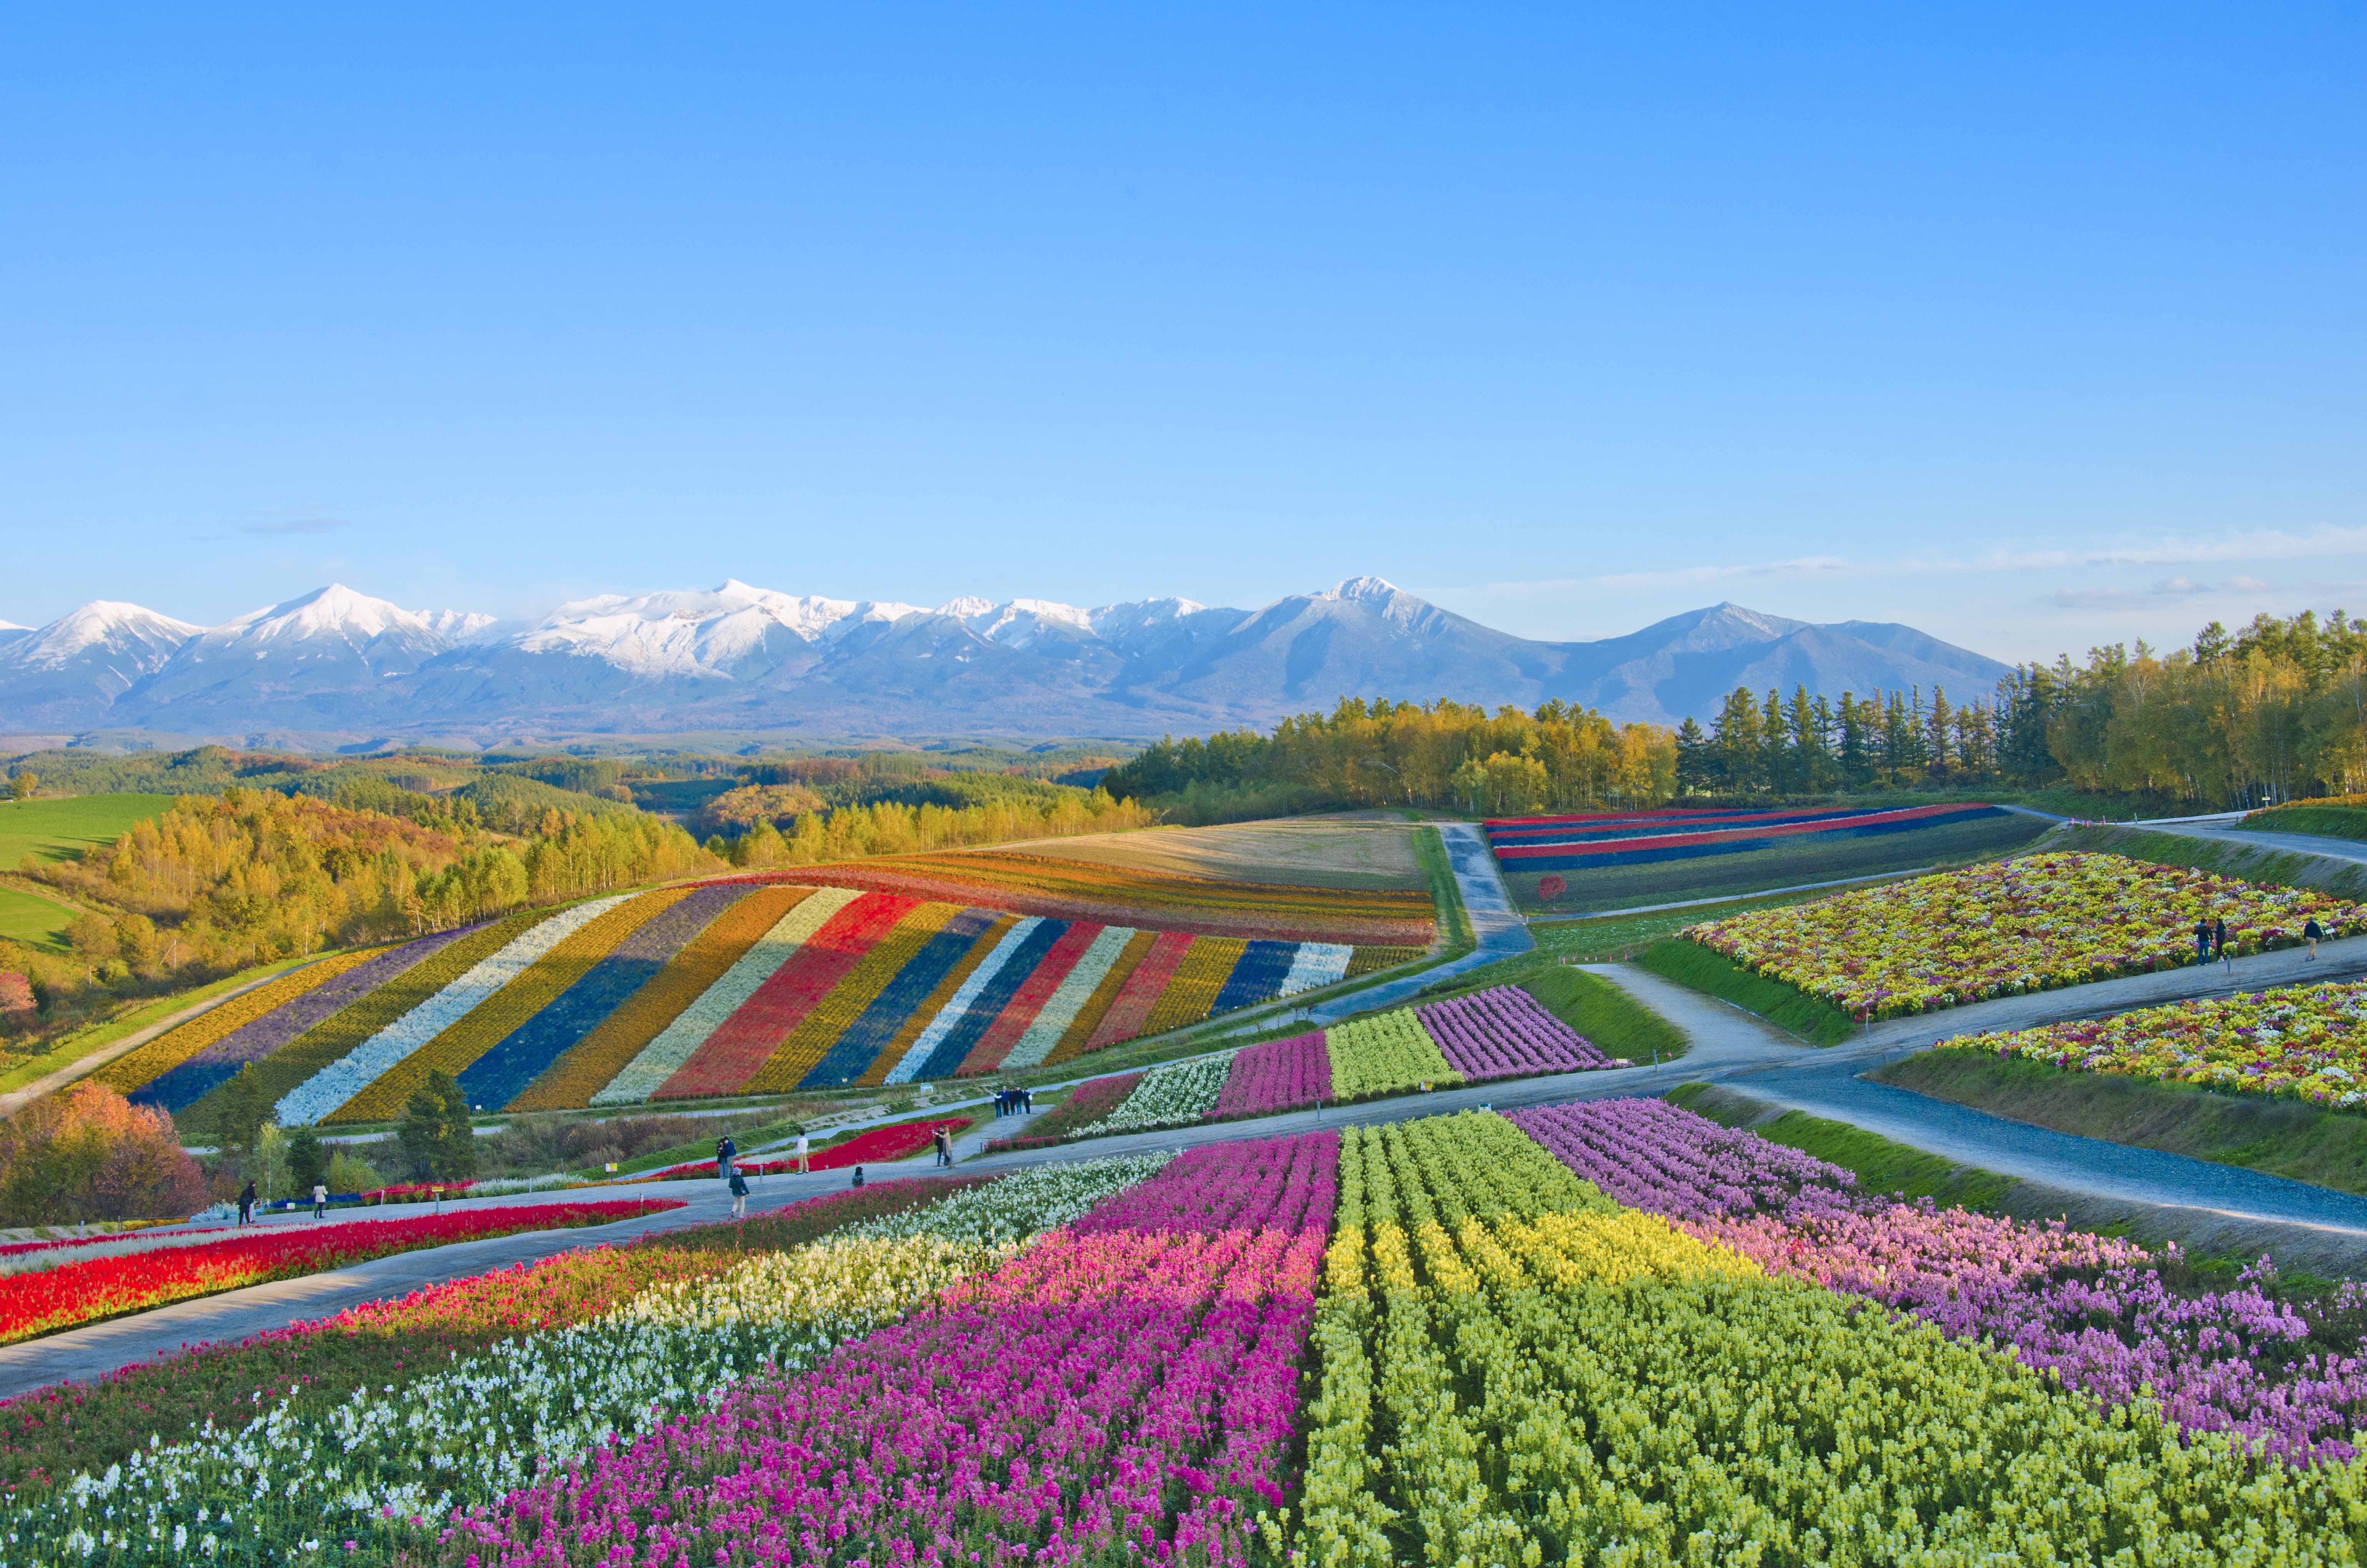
x,y
493,1020
1516,1374
151,1062
599,1056
819,1029
1384,1053
1193,989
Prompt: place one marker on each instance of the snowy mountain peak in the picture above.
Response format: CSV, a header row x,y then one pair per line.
x,y
100,627
335,611
12,626
1363,590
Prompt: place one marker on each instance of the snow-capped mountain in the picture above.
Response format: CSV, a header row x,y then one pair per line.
x,y
738,657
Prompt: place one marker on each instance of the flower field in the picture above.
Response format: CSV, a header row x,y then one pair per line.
x,y
1501,1032
2032,923
1604,1333
1594,840
736,987
1112,895
2306,1042
87,1290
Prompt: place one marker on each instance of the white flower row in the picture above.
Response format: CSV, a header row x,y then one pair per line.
x,y
923,1048
321,1094
1317,964
679,1040
1175,1094
1025,1203
289,1483
1066,1003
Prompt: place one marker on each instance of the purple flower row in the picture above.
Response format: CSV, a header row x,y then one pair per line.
x,y
1504,1032
1280,1074
1115,1394
2097,1312
1288,1184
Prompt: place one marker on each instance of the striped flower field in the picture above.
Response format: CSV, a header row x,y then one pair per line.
x,y
1501,1032
749,985
1597,840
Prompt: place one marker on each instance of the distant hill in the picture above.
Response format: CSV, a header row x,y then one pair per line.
x,y
739,658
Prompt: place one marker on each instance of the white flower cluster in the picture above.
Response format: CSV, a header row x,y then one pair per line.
x,y
1176,1095
494,1421
340,1081
1022,1204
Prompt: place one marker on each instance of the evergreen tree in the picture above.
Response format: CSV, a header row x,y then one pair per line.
x,y
435,1134
1856,742
308,1162
1696,767
1735,736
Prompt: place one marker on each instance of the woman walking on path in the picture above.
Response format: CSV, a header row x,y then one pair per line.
x,y
801,1153
246,1205
2312,936
739,1194
320,1200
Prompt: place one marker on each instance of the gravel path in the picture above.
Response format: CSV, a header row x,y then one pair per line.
x,y
2223,829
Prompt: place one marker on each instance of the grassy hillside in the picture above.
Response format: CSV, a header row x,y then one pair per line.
x,y
2282,1138
60,829
2325,821
2253,863
1688,963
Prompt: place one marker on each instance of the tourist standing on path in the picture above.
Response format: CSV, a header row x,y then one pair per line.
x,y
858,1175
2219,941
1028,1101
803,1147
246,1205
2202,940
2312,936
320,1200
724,1151
739,1194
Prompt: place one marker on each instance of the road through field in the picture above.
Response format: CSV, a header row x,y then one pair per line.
x,y
1727,1046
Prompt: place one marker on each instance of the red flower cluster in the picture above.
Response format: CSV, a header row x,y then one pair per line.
x,y
879,1146
77,1294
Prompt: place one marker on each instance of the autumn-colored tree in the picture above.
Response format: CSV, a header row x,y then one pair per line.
x,y
85,1153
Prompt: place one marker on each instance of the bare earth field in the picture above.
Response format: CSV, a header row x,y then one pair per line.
x,y
1353,850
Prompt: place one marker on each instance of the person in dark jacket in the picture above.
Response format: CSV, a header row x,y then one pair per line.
x,y
246,1205
724,1151
2219,941
2313,934
739,1194
858,1175
2202,940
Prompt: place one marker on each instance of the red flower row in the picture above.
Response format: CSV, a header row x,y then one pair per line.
x,y
77,1293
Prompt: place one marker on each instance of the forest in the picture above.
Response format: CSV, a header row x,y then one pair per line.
x,y
2275,711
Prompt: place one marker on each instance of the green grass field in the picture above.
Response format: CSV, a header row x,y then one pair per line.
x,y
1813,1019
2324,822
32,920
1807,858
2286,1138
60,829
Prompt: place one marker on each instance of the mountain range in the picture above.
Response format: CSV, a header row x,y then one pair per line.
x,y
339,664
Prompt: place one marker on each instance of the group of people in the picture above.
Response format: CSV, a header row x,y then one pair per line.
x,y
1014,1102
247,1199
2210,941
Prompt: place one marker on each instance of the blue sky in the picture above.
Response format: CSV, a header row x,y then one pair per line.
x,y
2034,327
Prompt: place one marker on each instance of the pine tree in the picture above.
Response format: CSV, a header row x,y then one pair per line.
x,y
1695,764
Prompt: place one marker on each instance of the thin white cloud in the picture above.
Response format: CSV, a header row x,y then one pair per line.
x,y
2259,545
